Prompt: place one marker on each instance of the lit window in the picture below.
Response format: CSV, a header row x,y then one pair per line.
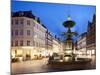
x,y
93,51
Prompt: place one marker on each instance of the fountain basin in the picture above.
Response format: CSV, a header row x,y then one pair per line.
x,y
79,61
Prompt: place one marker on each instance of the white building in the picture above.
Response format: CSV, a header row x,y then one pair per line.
x,y
49,43
39,38
27,35
57,46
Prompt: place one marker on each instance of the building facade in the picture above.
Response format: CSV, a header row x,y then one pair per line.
x,y
91,36
27,35
81,44
56,45
49,42
39,38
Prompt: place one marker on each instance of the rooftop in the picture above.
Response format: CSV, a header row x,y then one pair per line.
x,y
28,14
23,14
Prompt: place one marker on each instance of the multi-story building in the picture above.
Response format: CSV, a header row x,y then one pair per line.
x,y
91,36
61,47
27,35
56,45
49,42
39,38
81,44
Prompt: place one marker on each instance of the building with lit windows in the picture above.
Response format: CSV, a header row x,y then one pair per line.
x,y
27,35
81,44
49,42
39,39
56,45
91,36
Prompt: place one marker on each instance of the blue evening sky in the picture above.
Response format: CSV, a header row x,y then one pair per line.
x,y
53,15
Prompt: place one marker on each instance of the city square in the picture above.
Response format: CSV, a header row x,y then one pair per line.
x,y
45,40
40,66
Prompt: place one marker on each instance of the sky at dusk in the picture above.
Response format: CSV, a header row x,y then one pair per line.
x,y
53,15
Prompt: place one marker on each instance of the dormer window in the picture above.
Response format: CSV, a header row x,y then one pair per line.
x,y
21,14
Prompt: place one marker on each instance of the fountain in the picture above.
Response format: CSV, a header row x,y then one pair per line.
x,y
69,45
68,53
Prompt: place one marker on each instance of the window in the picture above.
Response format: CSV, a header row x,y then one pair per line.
x,y
21,32
16,32
21,21
16,43
28,22
12,33
16,21
28,43
28,32
21,43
